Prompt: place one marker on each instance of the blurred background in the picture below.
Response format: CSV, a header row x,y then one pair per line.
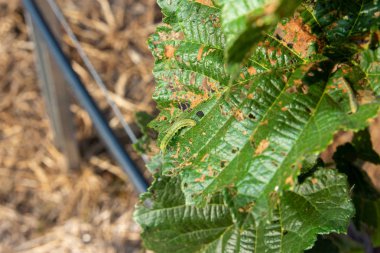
x,y
45,207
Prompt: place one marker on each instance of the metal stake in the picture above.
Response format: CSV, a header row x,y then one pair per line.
x,y
54,89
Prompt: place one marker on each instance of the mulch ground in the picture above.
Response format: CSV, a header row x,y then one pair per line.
x,y
45,207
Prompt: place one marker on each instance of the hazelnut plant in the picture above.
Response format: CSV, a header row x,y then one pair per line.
x,y
250,93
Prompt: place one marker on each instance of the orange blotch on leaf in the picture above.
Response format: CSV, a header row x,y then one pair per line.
x,y
205,157
264,144
284,109
201,179
251,70
238,114
200,53
169,51
205,2
297,34
289,180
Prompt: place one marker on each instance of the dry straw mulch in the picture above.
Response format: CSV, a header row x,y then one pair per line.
x,y
43,206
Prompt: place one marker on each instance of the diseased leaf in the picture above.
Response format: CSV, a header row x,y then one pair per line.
x,y
319,205
287,104
143,145
246,22
369,62
345,26
235,167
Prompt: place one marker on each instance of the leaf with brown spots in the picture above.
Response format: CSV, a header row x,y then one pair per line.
x,y
245,24
264,144
285,103
169,51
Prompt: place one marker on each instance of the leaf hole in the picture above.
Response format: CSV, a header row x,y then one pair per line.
x,y
184,106
234,150
251,116
200,114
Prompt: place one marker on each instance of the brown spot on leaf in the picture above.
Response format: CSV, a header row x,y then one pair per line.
x,y
162,118
272,61
335,68
264,123
297,34
365,97
200,52
205,157
205,2
169,51
289,181
238,114
250,96
292,89
171,110
169,36
251,70
201,179
305,89
298,82
176,155
210,171
264,144
284,109
314,181
190,97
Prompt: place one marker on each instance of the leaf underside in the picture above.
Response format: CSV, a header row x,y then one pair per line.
x,y
294,92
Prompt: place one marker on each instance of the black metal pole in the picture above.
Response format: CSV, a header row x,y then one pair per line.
x,y
101,125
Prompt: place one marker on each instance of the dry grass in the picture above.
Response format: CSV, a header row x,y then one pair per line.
x,y
43,206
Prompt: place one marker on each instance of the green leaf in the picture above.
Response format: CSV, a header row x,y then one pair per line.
x,y
320,205
345,26
245,23
286,105
369,62
143,144
229,183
